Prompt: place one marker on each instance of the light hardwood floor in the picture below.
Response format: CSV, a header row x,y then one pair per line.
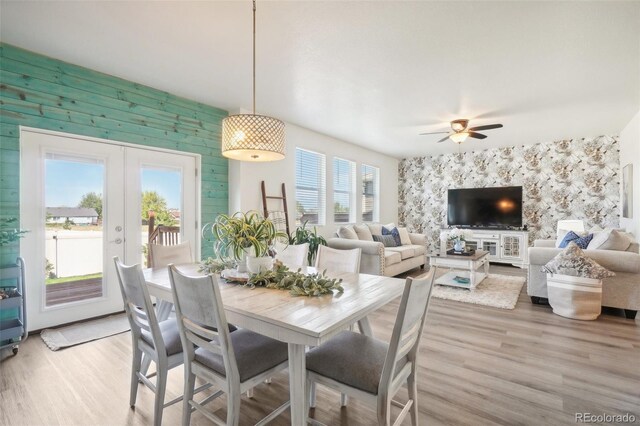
x,y
478,366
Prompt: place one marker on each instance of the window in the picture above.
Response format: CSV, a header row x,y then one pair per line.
x,y
370,193
344,179
310,187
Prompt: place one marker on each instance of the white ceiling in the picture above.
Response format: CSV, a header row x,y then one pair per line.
x,y
372,73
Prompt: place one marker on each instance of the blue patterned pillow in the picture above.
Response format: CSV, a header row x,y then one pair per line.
x,y
386,240
394,233
582,242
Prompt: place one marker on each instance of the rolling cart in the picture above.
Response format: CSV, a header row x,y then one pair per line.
x,y
13,331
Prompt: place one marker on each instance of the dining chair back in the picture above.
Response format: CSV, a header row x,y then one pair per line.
x,y
334,260
234,362
161,255
293,256
377,376
159,341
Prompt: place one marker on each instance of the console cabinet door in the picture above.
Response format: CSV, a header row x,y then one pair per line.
x,y
512,247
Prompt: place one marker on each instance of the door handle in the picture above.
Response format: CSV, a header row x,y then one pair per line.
x,y
117,241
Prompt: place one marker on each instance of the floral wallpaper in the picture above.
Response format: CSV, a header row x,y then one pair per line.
x,y
567,179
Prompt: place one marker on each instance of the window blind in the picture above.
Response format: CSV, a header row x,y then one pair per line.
x,y
344,178
310,187
370,193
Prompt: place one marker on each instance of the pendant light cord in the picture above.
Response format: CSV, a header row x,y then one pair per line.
x,y
254,57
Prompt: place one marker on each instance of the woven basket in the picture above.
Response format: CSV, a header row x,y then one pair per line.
x,y
575,297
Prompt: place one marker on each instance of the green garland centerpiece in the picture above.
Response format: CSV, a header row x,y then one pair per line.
x,y
298,283
212,266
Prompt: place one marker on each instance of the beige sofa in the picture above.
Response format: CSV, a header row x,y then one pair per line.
x,y
621,291
376,259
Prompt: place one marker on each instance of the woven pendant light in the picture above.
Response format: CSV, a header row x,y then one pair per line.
x,y
251,137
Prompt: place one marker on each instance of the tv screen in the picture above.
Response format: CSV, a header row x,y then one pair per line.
x,y
485,207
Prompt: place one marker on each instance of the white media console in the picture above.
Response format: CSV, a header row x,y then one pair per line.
x,y
504,246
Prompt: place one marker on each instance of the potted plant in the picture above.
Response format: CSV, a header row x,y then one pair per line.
x,y
246,236
458,237
303,235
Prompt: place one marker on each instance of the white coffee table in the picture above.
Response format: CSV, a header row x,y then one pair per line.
x,y
462,266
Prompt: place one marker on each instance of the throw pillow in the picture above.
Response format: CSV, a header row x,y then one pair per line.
x,y
568,237
347,232
595,229
563,233
572,261
394,232
386,240
404,236
582,242
610,239
375,228
363,232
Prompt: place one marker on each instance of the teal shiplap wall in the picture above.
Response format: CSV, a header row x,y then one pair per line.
x,y
46,93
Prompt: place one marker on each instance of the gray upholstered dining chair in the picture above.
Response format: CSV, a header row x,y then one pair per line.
x,y
161,255
334,260
160,341
235,362
373,370
293,256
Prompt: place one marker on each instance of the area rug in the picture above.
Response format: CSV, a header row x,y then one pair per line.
x,y
75,334
498,291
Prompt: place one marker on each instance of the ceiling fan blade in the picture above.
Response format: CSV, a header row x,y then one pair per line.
x,y
443,139
486,127
477,135
431,133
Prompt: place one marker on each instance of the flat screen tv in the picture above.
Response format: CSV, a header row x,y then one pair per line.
x,y
485,207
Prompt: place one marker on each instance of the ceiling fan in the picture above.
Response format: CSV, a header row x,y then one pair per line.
x,y
461,132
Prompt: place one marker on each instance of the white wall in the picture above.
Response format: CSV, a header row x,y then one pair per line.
x,y
630,153
245,177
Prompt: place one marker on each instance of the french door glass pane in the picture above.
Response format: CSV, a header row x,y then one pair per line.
x,y
73,228
162,198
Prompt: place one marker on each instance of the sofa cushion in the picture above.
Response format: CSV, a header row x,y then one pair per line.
x,y
406,252
386,240
417,250
610,239
391,257
363,232
394,233
375,228
573,261
347,232
404,236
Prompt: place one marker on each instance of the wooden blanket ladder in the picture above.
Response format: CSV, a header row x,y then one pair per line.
x,y
278,217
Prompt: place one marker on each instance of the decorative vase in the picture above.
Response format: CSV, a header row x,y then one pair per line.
x,y
458,245
242,263
257,264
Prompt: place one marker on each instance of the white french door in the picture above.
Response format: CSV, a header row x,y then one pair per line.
x,y
83,201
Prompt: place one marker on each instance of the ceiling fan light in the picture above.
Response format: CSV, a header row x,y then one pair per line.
x,y
459,137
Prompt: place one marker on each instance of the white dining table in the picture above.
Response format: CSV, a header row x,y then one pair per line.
x,y
298,321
